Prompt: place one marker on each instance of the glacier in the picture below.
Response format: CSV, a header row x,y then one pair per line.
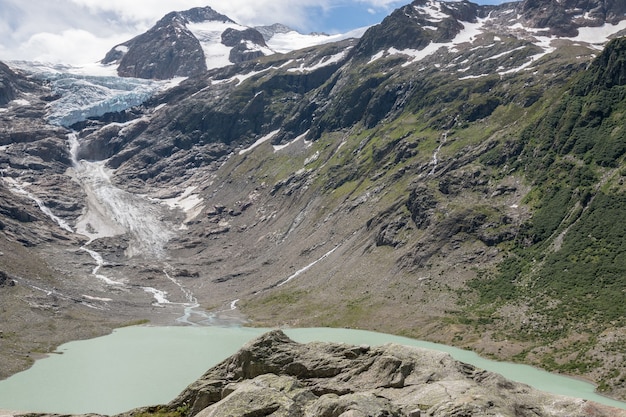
x,y
82,96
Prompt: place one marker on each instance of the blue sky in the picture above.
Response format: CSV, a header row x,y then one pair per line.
x,y
80,31
347,15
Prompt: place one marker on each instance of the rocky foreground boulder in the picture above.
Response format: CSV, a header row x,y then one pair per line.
x,y
275,376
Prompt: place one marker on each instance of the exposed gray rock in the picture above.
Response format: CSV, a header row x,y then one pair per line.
x,y
6,281
268,32
276,376
564,17
7,90
167,50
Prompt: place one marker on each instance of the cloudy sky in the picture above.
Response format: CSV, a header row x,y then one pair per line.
x,y
81,31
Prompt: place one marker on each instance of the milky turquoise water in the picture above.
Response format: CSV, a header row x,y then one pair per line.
x,y
137,366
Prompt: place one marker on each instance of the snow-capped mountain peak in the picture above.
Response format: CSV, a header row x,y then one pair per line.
x,y
522,32
190,42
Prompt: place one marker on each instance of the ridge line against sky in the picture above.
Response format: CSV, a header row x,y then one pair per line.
x,y
82,31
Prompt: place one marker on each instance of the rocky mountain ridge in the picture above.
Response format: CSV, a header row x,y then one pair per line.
x,y
169,49
187,43
275,376
425,185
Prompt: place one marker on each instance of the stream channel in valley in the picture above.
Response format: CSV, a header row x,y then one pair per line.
x,y
143,365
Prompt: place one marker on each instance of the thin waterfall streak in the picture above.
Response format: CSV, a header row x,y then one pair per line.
x,y
306,268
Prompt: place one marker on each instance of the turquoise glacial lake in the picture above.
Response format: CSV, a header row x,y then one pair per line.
x,y
138,366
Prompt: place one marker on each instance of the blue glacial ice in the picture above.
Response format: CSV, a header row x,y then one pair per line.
x,y
84,96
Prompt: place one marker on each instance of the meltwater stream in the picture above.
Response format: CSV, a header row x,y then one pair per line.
x,y
112,211
139,366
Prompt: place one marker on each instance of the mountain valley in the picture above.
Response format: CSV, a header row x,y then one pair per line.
x,y
454,174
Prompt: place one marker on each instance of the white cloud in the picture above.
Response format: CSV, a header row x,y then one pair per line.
x,y
243,11
74,31
57,31
384,3
80,30
72,46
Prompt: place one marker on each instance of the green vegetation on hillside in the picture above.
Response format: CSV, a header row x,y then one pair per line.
x,y
568,264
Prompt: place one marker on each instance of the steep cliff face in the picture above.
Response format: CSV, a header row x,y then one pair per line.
x,y
167,50
182,44
7,90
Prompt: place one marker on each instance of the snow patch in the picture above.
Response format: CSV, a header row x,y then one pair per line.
x,y
189,203
467,35
159,296
209,34
312,158
239,78
324,62
376,56
20,102
291,41
433,10
544,42
469,77
251,46
505,53
600,34
281,147
259,142
104,300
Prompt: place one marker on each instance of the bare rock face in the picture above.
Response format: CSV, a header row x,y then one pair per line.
x,y
170,49
276,376
563,17
167,50
7,91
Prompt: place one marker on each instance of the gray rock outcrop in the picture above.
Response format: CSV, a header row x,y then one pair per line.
x,y
276,376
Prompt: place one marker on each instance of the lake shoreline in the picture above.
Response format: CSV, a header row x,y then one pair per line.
x,y
218,343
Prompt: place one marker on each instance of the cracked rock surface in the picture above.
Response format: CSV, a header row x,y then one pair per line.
x,y
276,376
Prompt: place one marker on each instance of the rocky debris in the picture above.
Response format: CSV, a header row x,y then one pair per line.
x,y
456,182
276,376
6,281
391,234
